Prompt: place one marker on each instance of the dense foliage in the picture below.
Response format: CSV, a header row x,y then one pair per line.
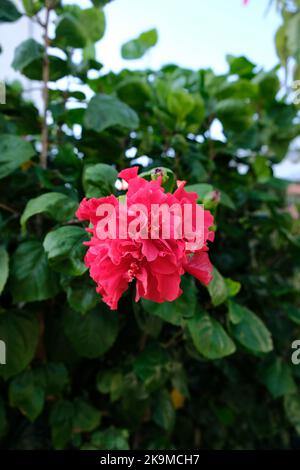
x,y
210,370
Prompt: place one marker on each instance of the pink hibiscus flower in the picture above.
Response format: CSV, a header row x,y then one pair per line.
x,y
144,255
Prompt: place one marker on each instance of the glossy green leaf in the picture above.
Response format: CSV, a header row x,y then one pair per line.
x,y
252,333
69,32
26,53
56,205
292,411
20,332
278,378
109,439
201,189
105,111
164,412
86,417
13,152
26,394
217,288
92,21
175,312
4,267
99,180
136,48
65,250
31,278
8,12
61,423
32,7
209,337
93,334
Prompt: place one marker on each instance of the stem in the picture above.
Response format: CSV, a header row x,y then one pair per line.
x,y
8,209
46,75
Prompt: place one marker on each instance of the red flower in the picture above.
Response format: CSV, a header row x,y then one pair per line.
x,y
143,252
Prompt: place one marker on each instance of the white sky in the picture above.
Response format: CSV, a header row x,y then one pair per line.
x,y
192,33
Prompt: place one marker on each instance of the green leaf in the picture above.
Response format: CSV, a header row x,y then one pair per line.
x,y
99,180
201,189
135,92
13,152
76,28
81,293
31,279
235,114
4,267
61,423
164,412
278,378
100,3
110,382
293,313
65,250
20,333
105,111
227,201
110,439
8,12
262,169
168,177
86,418
56,205
233,287
26,394
92,21
209,337
281,44
175,312
292,411
136,48
180,103
166,310
236,312
251,332
58,69
217,288
53,377
26,53
240,66
268,83
150,366
69,32
92,334
32,7
293,36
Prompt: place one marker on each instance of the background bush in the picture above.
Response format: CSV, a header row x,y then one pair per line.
x,y
210,370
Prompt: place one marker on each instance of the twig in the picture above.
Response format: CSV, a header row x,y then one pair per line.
x,y
8,209
46,75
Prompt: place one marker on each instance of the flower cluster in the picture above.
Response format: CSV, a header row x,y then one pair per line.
x,y
155,263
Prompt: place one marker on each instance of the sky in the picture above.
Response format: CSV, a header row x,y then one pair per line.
x,y
192,33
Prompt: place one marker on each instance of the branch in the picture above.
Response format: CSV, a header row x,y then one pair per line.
x,y
8,209
46,75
